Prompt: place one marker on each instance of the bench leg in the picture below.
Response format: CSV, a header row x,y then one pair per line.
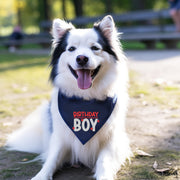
x,y
150,44
170,44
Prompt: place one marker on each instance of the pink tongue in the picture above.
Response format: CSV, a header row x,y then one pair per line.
x,y
84,79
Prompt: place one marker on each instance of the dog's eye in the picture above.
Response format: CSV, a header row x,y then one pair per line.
x,y
72,48
94,48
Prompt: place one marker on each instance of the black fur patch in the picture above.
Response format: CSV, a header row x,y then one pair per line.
x,y
60,48
104,42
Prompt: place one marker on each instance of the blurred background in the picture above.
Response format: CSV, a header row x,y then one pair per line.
x,y
29,14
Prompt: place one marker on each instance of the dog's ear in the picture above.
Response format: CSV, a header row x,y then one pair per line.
x,y
59,28
107,26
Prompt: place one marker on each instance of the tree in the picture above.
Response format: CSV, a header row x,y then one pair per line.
x,y
109,7
78,6
19,5
138,4
44,10
64,8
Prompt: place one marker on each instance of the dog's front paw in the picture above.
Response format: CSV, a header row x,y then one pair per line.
x,y
104,178
42,177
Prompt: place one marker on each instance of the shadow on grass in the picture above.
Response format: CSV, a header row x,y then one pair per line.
x,y
24,65
81,173
15,61
11,168
140,168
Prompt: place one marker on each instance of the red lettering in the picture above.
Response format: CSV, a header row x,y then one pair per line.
x,y
83,114
74,114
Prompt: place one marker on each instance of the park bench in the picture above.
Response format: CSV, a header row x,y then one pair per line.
x,y
147,26
42,39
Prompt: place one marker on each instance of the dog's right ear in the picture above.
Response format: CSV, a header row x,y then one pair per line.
x,y
59,28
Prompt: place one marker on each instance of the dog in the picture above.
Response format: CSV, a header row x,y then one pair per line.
x,y
84,122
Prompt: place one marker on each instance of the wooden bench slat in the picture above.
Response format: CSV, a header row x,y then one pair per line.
x,y
147,29
151,36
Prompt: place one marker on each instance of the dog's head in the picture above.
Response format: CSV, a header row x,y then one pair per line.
x,y
82,57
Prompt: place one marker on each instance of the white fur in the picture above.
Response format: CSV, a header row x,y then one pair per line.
x,y
59,28
108,150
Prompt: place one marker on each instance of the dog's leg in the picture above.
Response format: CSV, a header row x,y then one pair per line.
x,y
111,158
104,170
55,157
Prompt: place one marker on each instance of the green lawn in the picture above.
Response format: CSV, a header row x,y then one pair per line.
x,y
23,81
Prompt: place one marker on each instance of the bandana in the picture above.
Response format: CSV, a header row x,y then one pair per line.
x,y
85,118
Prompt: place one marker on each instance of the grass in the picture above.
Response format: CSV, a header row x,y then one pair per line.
x,y
23,79
13,166
24,84
142,167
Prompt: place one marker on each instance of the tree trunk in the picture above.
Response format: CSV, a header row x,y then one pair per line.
x,y
138,4
64,8
78,6
108,6
19,21
44,10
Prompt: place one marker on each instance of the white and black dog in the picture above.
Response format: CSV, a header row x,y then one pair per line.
x,y
85,118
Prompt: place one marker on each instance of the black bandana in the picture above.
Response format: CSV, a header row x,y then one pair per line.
x,y
85,118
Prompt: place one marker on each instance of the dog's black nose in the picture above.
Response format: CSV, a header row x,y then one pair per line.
x,y
82,60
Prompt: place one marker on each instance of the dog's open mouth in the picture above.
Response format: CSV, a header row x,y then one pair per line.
x,y
84,76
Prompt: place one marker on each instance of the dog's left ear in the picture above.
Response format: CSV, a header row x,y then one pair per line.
x,y
59,28
107,26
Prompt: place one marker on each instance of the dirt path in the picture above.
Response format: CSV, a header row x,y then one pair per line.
x,y
149,126
156,64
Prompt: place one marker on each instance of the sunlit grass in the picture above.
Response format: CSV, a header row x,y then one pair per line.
x,y
23,83
164,95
